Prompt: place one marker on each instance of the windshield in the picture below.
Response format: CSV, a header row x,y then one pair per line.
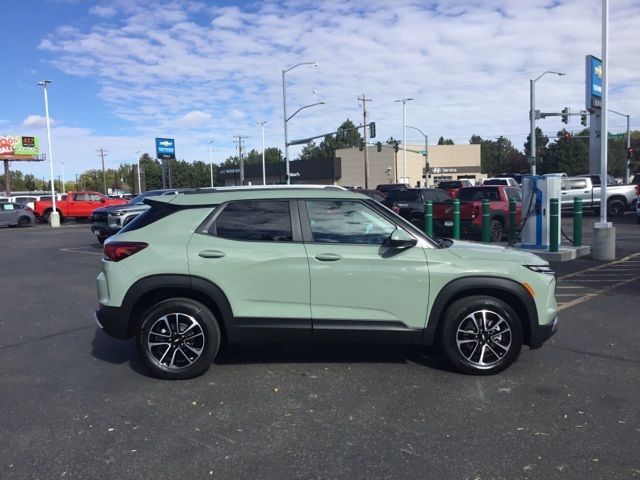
x,y
450,185
139,199
471,194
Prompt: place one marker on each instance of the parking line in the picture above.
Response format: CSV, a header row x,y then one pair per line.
x,y
75,250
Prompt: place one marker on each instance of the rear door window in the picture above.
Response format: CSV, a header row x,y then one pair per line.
x,y
265,221
408,196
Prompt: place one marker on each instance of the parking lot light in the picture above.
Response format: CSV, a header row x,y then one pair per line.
x,y
54,218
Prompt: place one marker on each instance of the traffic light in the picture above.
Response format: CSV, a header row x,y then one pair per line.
x,y
372,130
629,153
395,146
361,146
565,116
566,136
583,119
379,146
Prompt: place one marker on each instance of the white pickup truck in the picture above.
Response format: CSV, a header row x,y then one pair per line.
x,y
619,197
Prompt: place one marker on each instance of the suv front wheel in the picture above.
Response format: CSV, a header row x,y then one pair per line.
x,y
481,335
178,338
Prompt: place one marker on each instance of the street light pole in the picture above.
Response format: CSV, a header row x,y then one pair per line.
x,y
284,108
211,160
532,118
627,173
264,169
54,217
426,154
404,136
138,164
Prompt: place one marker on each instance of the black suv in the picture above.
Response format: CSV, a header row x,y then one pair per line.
x,y
409,203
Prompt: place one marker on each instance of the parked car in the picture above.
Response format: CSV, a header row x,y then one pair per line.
x,y
16,214
375,194
107,221
75,204
385,188
596,181
516,176
28,200
312,266
471,212
409,203
638,203
453,186
619,197
635,180
506,181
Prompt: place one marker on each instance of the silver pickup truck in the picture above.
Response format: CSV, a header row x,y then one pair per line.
x,y
619,197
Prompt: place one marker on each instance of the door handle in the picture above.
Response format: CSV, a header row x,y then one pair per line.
x,y
211,254
328,257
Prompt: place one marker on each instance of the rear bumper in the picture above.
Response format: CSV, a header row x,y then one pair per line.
x,y
113,320
542,333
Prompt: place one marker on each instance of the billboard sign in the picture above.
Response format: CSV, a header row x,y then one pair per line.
x,y
593,83
15,147
165,148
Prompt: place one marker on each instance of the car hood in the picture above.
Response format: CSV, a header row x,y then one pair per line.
x,y
125,207
493,253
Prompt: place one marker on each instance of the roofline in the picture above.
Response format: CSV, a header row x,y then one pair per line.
x,y
244,188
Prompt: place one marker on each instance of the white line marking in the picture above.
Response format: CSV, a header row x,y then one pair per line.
x,y
595,294
570,286
73,250
568,294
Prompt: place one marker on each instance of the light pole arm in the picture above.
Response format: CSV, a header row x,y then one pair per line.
x,y
302,108
297,65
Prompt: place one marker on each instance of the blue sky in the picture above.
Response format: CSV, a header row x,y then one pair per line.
x,y
126,71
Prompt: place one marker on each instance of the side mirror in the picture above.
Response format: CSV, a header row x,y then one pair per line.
x,y
400,240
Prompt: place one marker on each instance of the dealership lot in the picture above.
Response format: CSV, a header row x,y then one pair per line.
x,y
75,403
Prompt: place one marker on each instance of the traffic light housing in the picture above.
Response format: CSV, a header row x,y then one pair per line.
x,y
372,130
629,153
565,116
566,136
583,119
395,146
379,146
361,146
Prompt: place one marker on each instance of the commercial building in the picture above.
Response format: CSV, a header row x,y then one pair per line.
x,y
446,162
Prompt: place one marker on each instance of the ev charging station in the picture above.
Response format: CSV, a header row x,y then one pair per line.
x,y
537,191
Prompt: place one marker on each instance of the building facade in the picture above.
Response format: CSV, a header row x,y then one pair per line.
x,y
446,162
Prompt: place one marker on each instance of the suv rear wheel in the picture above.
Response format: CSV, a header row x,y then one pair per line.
x,y
481,335
178,339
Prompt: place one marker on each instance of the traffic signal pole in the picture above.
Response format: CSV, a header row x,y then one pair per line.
x,y
364,101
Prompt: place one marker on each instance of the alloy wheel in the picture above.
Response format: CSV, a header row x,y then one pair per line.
x,y
483,338
176,340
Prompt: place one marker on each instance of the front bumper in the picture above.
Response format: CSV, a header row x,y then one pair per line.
x,y
104,229
542,333
113,320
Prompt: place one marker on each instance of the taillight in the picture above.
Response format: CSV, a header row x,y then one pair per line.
x,y
116,251
475,212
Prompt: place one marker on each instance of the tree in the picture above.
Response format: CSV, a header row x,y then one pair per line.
x,y
347,136
443,141
541,143
499,156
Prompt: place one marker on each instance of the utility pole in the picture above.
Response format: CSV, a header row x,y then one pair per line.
x,y
102,153
264,168
364,101
241,160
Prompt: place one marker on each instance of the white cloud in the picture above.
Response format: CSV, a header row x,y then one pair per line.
x,y
466,63
36,121
195,118
102,11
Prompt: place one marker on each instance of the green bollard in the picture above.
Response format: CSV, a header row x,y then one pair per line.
x,y
428,218
512,221
456,219
554,219
486,222
577,222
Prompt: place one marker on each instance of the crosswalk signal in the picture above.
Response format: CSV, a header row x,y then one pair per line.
x,y
361,146
583,119
629,153
379,146
565,116
566,136
372,130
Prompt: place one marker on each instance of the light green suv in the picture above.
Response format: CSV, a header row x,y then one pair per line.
x,y
312,265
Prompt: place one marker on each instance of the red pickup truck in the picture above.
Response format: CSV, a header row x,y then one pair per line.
x,y
471,212
76,204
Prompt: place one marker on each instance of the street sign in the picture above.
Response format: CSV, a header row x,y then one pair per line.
x,y
165,148
422,152
616,136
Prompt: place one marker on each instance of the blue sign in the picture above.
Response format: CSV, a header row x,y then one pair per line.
x,y
593,83
165,148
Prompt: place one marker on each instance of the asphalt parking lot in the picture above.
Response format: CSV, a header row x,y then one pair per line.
x,y
75,403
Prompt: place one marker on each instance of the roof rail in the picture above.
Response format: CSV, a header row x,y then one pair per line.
x,y
243,188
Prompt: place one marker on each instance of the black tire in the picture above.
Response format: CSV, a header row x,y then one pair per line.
x,y
616,207
496,232
490,358
177,356
24,222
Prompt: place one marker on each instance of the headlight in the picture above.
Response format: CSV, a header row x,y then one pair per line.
x,y
541,269
117,213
